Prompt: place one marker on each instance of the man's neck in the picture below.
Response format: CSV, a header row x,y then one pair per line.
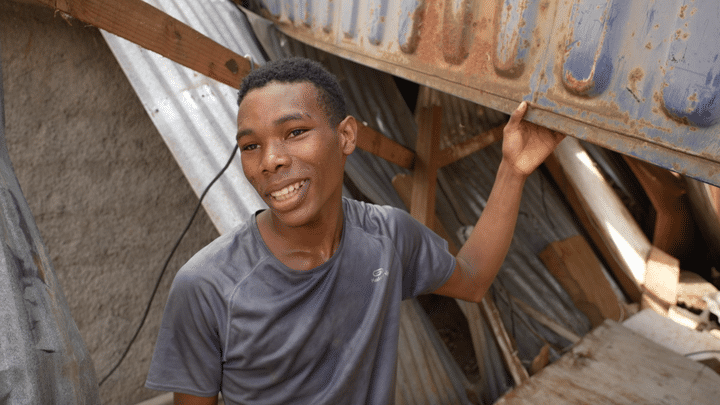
x,y
303,247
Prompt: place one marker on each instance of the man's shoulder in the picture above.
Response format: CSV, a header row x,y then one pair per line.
x,y
225,257
375,218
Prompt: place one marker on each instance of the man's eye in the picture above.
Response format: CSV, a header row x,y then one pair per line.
x,y
296,132
251,146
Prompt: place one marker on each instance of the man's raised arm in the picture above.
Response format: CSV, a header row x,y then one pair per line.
x,y
525,147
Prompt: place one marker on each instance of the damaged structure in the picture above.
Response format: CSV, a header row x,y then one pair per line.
x,y
591,264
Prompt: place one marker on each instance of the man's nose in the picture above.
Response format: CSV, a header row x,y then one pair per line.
x,y
275,157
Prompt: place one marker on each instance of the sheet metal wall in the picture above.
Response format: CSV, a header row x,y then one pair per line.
x,y
638,77
43,359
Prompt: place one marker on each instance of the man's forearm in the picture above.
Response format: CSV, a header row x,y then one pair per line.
x,y
485,250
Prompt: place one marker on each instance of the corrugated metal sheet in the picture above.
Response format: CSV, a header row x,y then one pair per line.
x,y
462,192
196,115
43,359
641,78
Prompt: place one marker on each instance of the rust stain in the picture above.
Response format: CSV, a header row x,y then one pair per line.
x,y
648,45
579,86
682,11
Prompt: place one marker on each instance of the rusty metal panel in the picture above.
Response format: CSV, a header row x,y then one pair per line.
x,y
638,77
43,359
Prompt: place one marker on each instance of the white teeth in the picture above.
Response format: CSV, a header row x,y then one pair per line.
x,y
287,192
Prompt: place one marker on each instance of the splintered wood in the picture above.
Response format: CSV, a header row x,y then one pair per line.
x,y
613,365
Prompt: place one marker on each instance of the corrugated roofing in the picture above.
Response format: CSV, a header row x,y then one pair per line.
x,y
641,78
196,115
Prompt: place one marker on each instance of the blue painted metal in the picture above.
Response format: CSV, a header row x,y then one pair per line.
x,y
638,77
43,359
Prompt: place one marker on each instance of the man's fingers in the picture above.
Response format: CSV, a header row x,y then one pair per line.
x,y
518,114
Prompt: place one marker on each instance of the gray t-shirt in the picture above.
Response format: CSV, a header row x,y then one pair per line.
x,y
239,321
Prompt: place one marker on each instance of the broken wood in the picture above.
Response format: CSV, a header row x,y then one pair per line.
x,y
613,230
504,341
613,365
691,290
575,266
541,360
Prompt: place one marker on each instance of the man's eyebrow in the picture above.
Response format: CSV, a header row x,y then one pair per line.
x,y
243,132
279,121
289,117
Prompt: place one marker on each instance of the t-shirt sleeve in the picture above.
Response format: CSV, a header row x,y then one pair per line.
x,y
188,354
427,263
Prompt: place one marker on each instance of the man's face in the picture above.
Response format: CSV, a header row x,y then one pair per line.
x,y
290,153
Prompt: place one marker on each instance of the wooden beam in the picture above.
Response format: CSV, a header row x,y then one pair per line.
x,y
403,184
425,170
674,226
575,266
378,144
155,30
456,152
608,222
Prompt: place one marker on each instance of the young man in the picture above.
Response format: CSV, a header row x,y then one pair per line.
x,y
300,304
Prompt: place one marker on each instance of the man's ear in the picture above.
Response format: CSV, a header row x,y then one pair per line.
x,y
347,131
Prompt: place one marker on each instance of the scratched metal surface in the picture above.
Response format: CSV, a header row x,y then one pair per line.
x,y
43,359
637,77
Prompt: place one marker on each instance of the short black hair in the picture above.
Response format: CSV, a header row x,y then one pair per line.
x,y
296,70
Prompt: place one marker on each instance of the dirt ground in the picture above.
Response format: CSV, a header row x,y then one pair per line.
x,y
108,197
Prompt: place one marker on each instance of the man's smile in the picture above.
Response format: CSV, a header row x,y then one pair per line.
x,y
288,191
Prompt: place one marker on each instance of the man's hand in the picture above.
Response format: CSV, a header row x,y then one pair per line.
x,y
526,145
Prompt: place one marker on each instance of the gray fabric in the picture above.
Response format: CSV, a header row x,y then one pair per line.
x,y
240,320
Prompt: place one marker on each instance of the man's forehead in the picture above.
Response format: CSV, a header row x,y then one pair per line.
x,y
274,96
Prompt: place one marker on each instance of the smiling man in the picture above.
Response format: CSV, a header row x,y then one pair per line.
x,y
300,304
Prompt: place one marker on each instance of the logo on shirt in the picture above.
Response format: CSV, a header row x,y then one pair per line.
x,y
379,274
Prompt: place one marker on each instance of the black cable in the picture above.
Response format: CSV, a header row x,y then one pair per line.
x,y
167,261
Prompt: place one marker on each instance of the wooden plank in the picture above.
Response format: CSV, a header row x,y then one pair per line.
x,y
614,365
662,275
606,220
575,266
155,30
378,144
674,226
422,205
472,145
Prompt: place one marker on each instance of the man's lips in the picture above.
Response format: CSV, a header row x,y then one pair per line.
x,y
287,191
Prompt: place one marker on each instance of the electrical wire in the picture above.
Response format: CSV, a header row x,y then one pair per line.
x,y
167,261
